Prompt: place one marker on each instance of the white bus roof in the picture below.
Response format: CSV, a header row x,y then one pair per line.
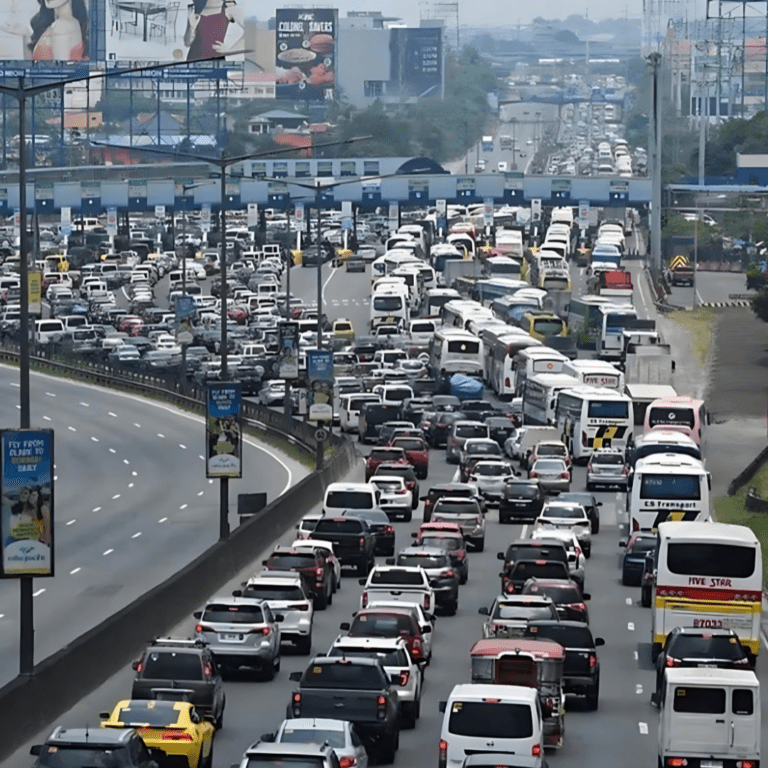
x,y
542,351
601,392
660,436
591,365
554,379
693,531
668,463
702,676
677,400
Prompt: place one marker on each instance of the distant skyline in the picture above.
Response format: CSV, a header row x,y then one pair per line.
x,y
497,13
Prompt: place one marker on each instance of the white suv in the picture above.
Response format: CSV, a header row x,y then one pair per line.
x,y
568,515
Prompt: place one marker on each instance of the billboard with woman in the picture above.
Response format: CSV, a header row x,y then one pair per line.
x,y
45,30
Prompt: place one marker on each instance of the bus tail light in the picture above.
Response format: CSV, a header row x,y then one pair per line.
x,y
635,525
676,762
672,662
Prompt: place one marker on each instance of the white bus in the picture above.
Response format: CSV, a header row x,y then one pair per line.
x,y
614,319
459,313
667,486
540,396
590,418
595,373
535,359
708,575
390,305
456,351
500,348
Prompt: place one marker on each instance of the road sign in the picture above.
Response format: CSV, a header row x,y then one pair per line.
x,y
185,337
321,435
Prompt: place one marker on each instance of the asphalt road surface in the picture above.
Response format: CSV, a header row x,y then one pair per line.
x,y
132,504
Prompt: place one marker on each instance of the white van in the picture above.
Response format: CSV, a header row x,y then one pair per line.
x,y
478,716
349,408
47,331
709,717
341,496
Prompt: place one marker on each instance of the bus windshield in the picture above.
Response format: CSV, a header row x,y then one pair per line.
x,y
387,303
463,347
671,417
672,487
608,409
711,559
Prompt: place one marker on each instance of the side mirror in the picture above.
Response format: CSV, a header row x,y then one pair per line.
x,y
499,555
295,676
36,749
622,543
197,615
362,582
426,630
421,663
279,617
483,611
390,561
599,641
264,562
414,534
270,737
237,593
586,596
441,706
344,626
422,498
135,665
599,504
105,715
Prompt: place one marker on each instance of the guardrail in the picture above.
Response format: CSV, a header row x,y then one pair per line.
x,y
29,703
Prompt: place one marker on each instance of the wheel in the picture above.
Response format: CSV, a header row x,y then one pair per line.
x,y
206,762
362,569
588,552
321,602
593,694
408,516
595,526
479,545
410,714
388,749
304,644
414,502
655,651
330,596
625,580
453,607
218,723
277,664
645,598
590,486
268,672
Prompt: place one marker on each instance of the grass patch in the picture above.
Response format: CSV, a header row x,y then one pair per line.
x,y
700,325
732,509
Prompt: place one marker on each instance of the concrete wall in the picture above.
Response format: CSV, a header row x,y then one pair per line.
x,y
361,54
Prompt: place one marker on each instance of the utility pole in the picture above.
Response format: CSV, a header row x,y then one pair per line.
x,y
655,240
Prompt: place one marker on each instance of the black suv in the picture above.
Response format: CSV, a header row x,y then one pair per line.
x,y
464,490
529,549
695,647
581,673
175,663
311,565
522,500
121,747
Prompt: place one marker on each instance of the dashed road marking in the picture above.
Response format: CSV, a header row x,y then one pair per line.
x,y
183,506
201,493
136,535
631,626
138,426
112,450
113,415
15,384
51,394
638,689
160,435
72,521
130,485
74,571
39,592
47,418
637,657
95,439
134,474
96,509
643,728
629,601
71,429
108,552
125,461
85,405
116,496
162,519
182,446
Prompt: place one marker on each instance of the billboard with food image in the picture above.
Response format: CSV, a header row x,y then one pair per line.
x,y
305,53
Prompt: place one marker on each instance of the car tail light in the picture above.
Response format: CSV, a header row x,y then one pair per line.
x,y
296,704
417,648
577,550
625,470
449,574
589,467
172,736
361,542
577,606
442,426
507,382
319,573
199,628
425,602
674,762
670,662
565,475
479,519
493,627
742,662
264,630
536,750
442,755
746,764
381,704
299,607
387,529
533,474
207,670
584,439
404,677
551,703
509,588
347,761
401,491
592,660
365,599
460,554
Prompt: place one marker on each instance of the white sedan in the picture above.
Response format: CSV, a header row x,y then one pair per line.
x,y
339,734
273,393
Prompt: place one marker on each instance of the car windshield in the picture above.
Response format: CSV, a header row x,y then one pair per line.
x,y
515,610
405,471
490,719
274,592
409,443
456,507
349,500
471,430
448,543
705,647
293,735
373,516
284,761
608,458
152,713
491,470
385,454
424,561
339,525
549,465
381,625
550,450
541,569
567,636
483,449
388,657
343,674
437,493
522,490
62,756
642,545
292,561
560,594
523,552
170,665
233,614
570,512
397,576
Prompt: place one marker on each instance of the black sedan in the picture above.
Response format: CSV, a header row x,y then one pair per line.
x,y
522,500
639,545
437,425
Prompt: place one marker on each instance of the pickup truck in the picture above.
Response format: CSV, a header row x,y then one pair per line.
x,y
353,689
353,541
399,584
171,663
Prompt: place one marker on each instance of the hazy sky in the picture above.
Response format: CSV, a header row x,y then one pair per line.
x,y
498,12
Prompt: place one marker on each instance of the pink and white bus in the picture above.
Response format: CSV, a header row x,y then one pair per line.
x,y
680,414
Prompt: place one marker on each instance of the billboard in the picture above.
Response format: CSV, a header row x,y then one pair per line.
x,y
224,439
416,62
31,30
305,51
320,375
167,30
26,520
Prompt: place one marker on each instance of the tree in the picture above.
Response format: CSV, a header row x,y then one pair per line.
x,y
760,305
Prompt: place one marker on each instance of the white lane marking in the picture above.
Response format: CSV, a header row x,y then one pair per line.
x,y
2,615
96,509
116,496
125,461
162,519
631,626
182,446
201,493
524,532
325,284
130,485
643,728
112,450
51,394
108,552
113,415
133,474
18,407
72,521
201,458
159,435
55,477
47,418
183,506
71,429
85,405
629,601
39,592
636,656
95,439
138,426
136,535
638,689
15,384
209,482
74,571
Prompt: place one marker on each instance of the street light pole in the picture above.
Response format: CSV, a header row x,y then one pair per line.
x,y
319,275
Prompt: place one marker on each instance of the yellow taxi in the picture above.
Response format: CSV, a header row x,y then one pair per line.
x,y
343,329
175,727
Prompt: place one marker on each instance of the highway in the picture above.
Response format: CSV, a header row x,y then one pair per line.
x,y
132,504
622,732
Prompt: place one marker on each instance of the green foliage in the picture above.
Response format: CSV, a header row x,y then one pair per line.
x,y
748,223
677,226
760,305
732,137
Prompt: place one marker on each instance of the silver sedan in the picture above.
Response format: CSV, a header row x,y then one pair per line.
x,y
552,474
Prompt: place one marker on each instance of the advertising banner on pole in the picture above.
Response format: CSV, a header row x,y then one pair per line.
x,y
66,221
26,521
112,220
394,216
320,375
224,440
34,297
205,218
305,49
289,350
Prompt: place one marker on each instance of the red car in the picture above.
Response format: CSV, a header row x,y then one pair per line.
x,y
379,454
569,600
389,622
447,536
416,452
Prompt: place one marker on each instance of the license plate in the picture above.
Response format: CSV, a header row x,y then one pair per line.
x,y
711,764
231,638
707,666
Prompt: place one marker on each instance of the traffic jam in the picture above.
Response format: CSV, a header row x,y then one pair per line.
x,y
505,393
